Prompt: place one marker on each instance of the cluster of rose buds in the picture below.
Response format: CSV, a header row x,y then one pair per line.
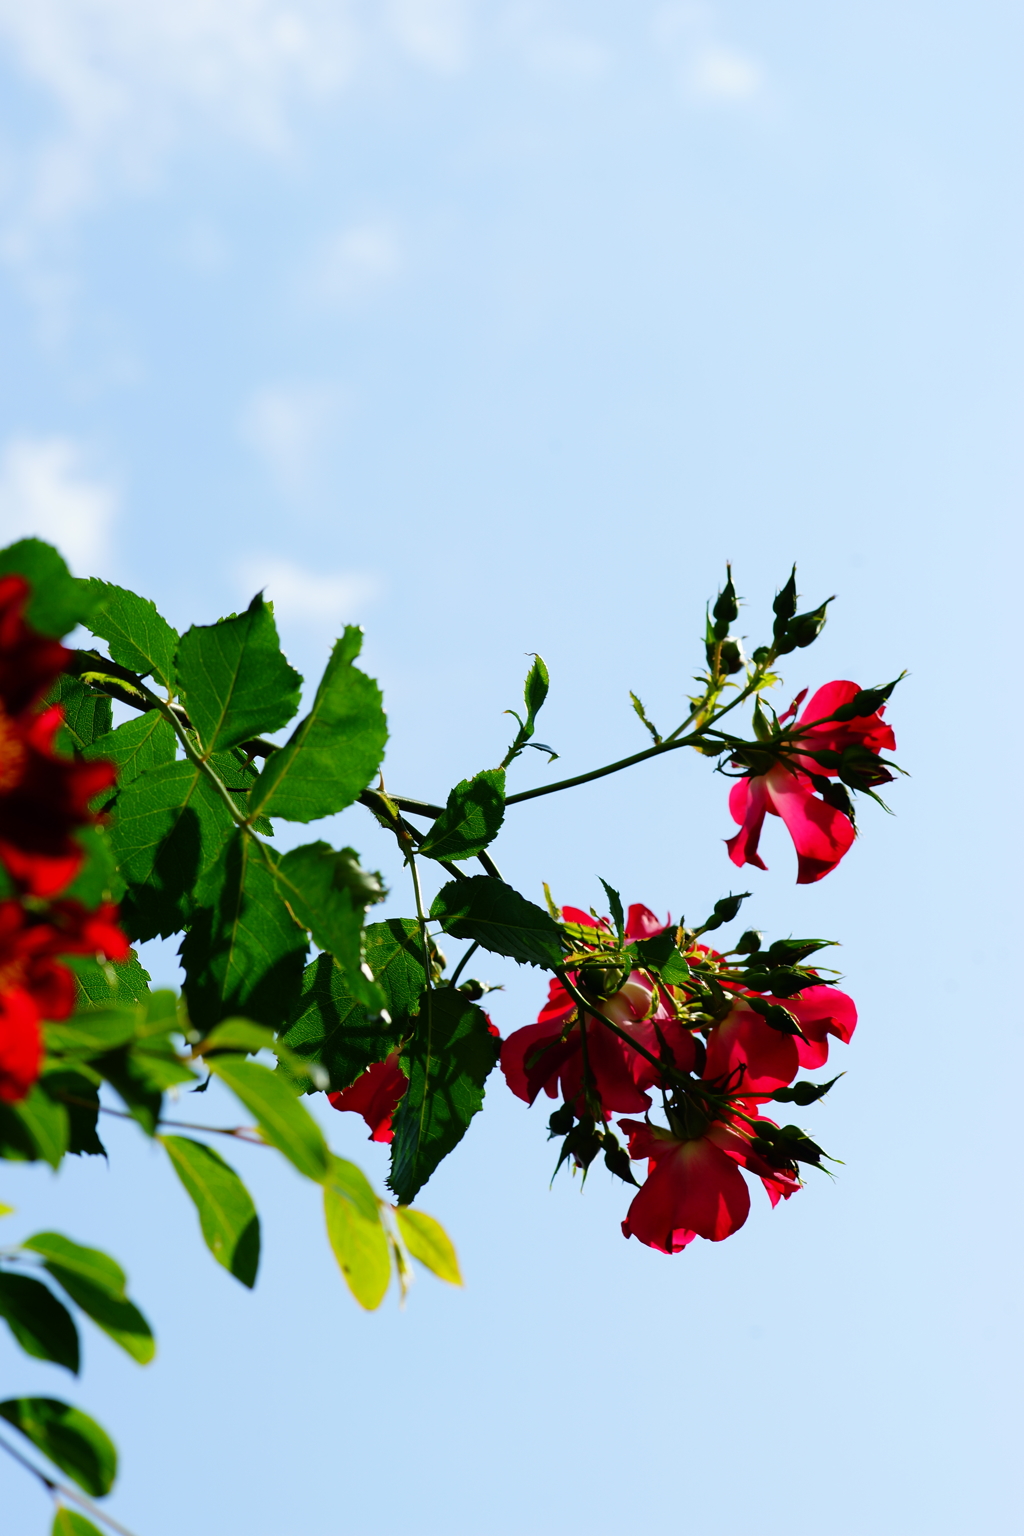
x,y
44,800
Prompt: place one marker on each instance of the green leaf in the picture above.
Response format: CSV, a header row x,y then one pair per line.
x,y
244,952
235,681
330,1027
71,1440
98,879
472,818
284,1122
92,1031
42,1325
428,1241
231,1227
43,1123
143,1071
497,917
447,1062
68,1522
80,1097
615,905
87,715
145,742
109,981
95,1282
328,893
169,828
335,751
139,638
356,1233
59,600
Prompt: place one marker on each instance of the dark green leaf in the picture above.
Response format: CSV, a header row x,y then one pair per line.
x,y
68,1522
71,1440
43,1125
42,1325
227,1215
59,600
142,1072
80,1097
169,829
139,638
145,742
334,752
235,681
284,1122
328,893
244,952
447,1062
497,917
472,818
356,1233
95,1282
427,1241
87,715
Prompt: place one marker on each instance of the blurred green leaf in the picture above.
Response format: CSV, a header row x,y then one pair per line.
x,y
356,1233
427,1241
68,1522
42,1325
283,1120
71,1440
87,715
335,751
59,600
42,1123
227,1216
95,1282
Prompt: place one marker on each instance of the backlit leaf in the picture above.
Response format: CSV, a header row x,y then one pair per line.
x,y
471,819
335,751
235,681
137,636
283,1120
427,1241
356,1233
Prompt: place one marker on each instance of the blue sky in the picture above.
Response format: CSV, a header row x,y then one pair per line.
x,y
498,328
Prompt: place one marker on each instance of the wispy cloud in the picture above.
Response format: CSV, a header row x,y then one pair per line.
x,y
47,491
288,425
351,263
433,32
709,70
305,599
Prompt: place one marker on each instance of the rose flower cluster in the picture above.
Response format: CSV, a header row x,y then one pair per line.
x,y
713,1047
44,800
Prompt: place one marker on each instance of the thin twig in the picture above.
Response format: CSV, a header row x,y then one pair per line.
x,y
65,1492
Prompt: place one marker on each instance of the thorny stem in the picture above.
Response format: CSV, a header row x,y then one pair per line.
x,y
52,1486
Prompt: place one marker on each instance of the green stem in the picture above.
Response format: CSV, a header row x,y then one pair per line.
x,y
421,915
462,963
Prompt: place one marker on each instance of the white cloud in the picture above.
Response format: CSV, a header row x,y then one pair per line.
x,y
47,491
353,262
707,69
287,426
434,32
721,74
316,600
